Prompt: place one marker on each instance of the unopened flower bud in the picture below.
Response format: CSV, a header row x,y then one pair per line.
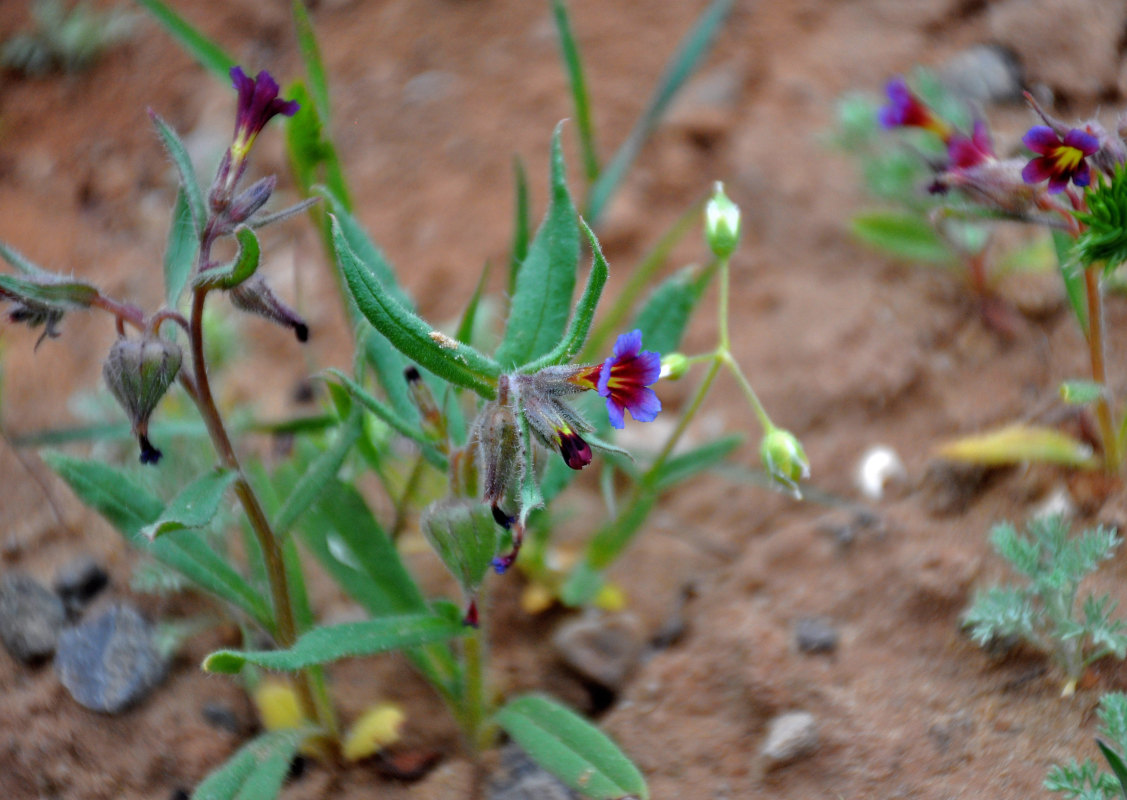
x,y
464,536
432,422
784,459
499,453
674,366
247,202
721,223
139,372
256,297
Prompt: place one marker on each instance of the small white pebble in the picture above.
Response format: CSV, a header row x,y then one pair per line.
x,y
789,736
877,468
1058,503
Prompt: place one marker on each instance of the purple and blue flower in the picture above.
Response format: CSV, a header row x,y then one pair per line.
x,y
1060,160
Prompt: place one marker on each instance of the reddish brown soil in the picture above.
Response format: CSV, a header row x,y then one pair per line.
x,y
432,99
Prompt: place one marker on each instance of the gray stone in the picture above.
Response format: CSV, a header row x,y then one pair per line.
x,y
983,74
110,662
789,736
31,616
79,582
521,778
603,649
815,635
222,717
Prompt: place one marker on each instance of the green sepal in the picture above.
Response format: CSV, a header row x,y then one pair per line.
x,y
453,361
331,643
571,748
539,310
189,184
195,506
241,269
465,536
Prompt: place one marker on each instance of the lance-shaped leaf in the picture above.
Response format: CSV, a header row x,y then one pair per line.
x,y
130,507
238,271
318,474
55,292
409,429
1015,444
204,50
190,185
195,506
665,315
180,252
1115,761
468,322
24,264
257,771
571,748
453,361
518,249
684,466
311,56
905,236
681,65
541,304
572,343
335,642
569,50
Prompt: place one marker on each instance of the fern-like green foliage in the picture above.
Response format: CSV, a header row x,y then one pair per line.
x,y
1046,612
1086,781
1105,240
64,39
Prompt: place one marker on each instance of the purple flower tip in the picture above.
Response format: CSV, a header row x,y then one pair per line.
x,y
625,378
258,103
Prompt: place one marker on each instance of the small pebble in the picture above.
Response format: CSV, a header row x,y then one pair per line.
x,y
521,778
603,649
878,469
222,717
79,582
983,74
110,662
31,616
789,736
815,635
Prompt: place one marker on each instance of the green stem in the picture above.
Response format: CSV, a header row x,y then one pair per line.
x,y
1108,438
475,703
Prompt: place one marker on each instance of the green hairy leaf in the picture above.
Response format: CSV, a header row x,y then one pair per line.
x,y
189,184
318,475
257,771
334,642
180,252
569,49
572,749
903,235
541,304
195,506
56,293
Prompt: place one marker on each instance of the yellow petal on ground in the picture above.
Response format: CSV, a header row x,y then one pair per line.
x,y
1015,444
610,597
376,728
278,706
536,598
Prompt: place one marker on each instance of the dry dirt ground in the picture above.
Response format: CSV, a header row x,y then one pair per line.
x,y
432,98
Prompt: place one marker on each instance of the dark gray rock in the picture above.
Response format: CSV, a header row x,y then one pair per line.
x,y
79,582
815,635
603,649
31,616
521,778
222,717
110,662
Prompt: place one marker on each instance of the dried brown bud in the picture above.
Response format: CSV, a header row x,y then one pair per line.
x,y
256,297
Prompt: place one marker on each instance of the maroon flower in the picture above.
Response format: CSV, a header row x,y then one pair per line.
x,y
1059,160
258,104
625,378
964,152
905,110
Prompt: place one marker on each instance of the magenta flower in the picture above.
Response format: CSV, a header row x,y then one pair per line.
x,y
258,104
1059,160
964,152
625,378
905,110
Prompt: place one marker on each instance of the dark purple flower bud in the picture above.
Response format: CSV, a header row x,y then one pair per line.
x,y
250,200
138,373
557,426
964,152
256,297
35,314
1060,159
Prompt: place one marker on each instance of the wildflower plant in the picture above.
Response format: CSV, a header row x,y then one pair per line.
x,y
1086,781
1048,612
1072,185
496,435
